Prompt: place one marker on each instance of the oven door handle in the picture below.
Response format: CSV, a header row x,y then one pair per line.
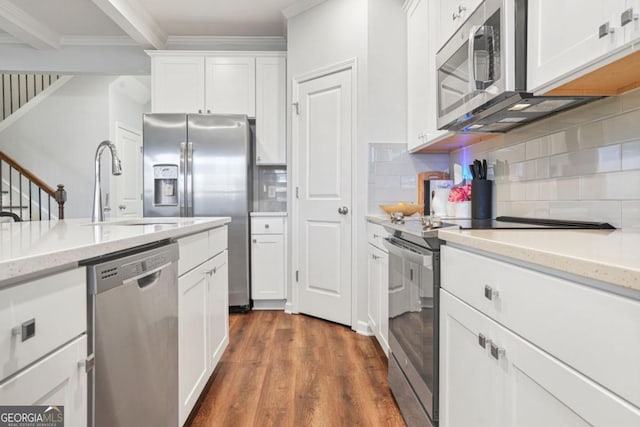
x,y
425,259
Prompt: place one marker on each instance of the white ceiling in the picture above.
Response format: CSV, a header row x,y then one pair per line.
x,y
151,24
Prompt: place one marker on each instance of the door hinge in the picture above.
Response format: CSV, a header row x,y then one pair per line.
x,y
296,105
297,275
297,193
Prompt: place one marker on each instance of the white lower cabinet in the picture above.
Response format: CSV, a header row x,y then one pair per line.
x,y
378,285
268,262
59,379
492,377
203,314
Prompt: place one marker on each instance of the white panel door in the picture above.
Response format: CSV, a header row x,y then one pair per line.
x,y
271,94
230,85
128,186
177,84
564,35
324,185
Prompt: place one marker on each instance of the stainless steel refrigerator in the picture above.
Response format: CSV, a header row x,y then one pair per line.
x,y
200,165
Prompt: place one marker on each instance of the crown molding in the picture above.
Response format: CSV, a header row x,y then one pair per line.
x,y
25,28
223,43
135,21
299,7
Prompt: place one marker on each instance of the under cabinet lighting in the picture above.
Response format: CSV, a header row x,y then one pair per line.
x,y
519,107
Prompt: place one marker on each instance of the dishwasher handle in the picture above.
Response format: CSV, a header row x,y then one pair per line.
x,y
149,279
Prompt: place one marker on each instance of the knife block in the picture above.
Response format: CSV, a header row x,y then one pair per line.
x,y
481,199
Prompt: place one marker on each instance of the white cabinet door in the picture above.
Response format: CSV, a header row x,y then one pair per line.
x,y
563,36
193,361
631,28
422,111
56,380
468,381
267,267
218,309
230,85
374,289
382,333
509,382
177,84
271,111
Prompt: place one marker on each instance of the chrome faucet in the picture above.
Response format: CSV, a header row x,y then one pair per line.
x,y
116,169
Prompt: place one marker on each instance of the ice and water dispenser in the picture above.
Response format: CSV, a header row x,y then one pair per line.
x,y
165,188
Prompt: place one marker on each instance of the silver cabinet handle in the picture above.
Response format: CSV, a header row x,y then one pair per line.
x,y
266,226
375,256
26,330
343,210
122,207
208,111
255,241
490,293
199,111
87,364
604,30
628,16
496,351
482,341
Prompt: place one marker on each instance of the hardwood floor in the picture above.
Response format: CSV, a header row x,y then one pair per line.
x,y
295,370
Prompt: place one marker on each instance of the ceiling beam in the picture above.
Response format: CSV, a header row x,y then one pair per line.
x,y
25,28
135,21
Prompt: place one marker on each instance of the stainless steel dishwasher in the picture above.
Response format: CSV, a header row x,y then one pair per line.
x,y
133,316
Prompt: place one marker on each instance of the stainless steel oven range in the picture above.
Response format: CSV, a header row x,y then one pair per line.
x,y
414,282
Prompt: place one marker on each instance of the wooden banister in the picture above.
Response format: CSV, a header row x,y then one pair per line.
x,y
29,175
59,194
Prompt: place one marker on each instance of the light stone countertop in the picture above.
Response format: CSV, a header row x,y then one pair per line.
x,y
377,219
268,214
607,256
32,249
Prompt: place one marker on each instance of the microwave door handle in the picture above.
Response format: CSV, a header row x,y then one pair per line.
x,y
182,179
487,32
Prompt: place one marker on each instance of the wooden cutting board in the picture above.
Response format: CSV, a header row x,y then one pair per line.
x,y
427,176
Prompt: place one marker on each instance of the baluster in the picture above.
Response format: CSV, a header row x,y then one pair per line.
x,y
40,203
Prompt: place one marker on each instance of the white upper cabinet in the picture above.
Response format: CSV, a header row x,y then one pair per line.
x,y
574,46
271,109
452,14
177,84
230,85
564,35
422,128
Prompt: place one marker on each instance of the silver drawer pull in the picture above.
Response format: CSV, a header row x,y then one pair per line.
x,y
628,16
604,30
496,351
266,226
490,293
26,331
87,364
482,341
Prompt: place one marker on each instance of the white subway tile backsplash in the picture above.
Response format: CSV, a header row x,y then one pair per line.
x,y
542,168
595,160
631,215
624,127
631,155
563,142
602,211
610,186
539,147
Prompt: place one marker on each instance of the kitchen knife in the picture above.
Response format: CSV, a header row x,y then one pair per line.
x,y
478,168
484,168
472,169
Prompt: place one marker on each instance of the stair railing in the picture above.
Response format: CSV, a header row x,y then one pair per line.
x,y
33,195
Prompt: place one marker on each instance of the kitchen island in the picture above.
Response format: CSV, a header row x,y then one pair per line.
x,y
51,341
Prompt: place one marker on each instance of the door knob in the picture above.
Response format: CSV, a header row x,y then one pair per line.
x,y
343,210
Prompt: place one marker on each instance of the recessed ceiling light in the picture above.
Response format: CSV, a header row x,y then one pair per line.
x,y
519,107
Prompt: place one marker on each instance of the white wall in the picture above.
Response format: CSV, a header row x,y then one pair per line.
x,y
57,139
387,69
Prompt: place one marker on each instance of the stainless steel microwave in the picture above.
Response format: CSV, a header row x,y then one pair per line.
x,y
482,74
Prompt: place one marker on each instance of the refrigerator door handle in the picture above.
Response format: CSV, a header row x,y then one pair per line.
x,y
189,178
182,177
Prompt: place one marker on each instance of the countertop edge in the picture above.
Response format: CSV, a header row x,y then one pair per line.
x,y
590,269
18,270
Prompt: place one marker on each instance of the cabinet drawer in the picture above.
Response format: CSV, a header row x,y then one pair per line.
x,y
218,240
51,311
194,250
593,331
375,234
267,225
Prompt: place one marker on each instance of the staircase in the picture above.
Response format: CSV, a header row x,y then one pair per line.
x,y
25,197
18,89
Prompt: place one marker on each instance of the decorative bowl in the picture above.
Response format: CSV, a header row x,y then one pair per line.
x,y
407,209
